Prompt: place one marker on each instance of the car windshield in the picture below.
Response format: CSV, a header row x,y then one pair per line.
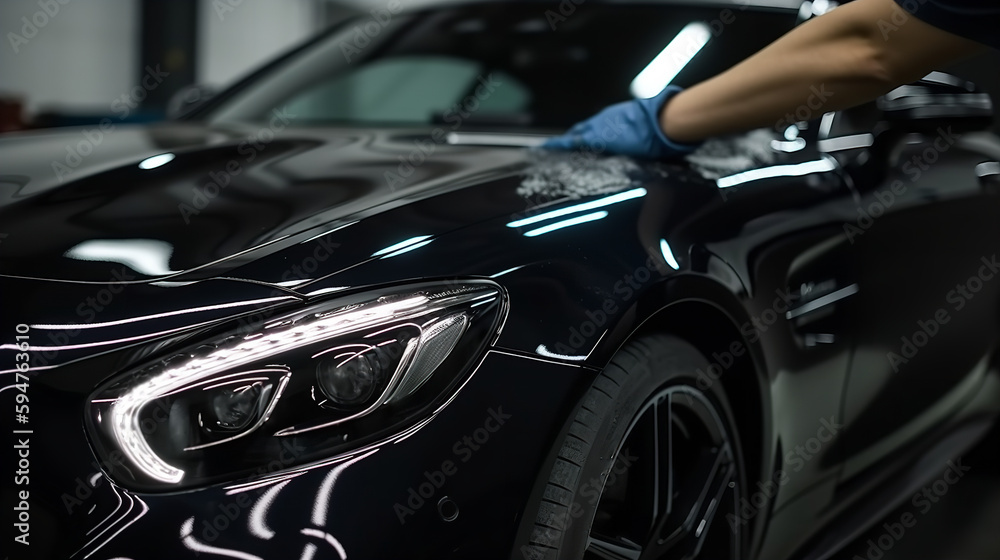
x,y
500,64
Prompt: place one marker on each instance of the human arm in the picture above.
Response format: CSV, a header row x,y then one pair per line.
x,y
839,60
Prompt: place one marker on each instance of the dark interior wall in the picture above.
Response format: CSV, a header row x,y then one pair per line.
x,y
984,70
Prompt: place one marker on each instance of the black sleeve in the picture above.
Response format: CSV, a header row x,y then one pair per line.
x,y
978,20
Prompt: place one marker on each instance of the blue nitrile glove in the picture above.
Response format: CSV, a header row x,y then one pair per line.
x,y
631,128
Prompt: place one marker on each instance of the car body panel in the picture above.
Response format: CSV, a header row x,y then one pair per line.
x,y
227,193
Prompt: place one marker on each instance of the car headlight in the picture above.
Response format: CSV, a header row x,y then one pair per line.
x,y
320,381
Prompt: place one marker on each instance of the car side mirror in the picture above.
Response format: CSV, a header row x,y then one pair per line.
x,y
187,99
937,101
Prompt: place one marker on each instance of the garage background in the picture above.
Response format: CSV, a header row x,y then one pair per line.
x,y
66,62
74,62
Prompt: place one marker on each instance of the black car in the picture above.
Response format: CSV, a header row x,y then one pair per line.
x,y
345,310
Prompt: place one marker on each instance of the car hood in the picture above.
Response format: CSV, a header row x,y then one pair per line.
x,y
167,200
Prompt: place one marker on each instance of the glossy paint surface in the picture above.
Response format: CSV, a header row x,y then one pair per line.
x,y
575,294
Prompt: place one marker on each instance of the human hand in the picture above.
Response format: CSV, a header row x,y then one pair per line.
x,y
631,128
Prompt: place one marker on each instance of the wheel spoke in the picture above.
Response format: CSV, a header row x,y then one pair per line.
x,y
656,465
670,454
687,526
603,548
669,482
645,480
710,508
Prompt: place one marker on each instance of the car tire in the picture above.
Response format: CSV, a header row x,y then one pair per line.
x,y
609,466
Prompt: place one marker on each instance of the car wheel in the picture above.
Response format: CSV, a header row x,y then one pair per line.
x,y
650,468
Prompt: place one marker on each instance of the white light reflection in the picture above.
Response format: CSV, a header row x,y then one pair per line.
x,y
416,427
826,124
851,142
674,58
257,523
156,161
157,315
820,7
131,504
328,538
806,10
792,146
567,223
132,501
6,371
146,256
324,291
328,232
543,351
401,245
105,342
192,543
792,142
322,504
509,270
668,255
247,486
308,551
794,170
407,249
600,203
110,515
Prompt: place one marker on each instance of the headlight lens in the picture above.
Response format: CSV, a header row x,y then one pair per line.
x,y
304,386
350,381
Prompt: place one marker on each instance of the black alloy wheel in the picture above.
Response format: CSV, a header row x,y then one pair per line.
x,y
677,483
649,468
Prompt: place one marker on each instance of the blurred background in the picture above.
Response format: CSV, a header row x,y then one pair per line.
x,y
74,62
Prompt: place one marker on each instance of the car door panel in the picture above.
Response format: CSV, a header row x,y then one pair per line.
x,y
927,243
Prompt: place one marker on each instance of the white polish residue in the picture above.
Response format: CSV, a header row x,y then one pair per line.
x,y
574,174
556,174
720,157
